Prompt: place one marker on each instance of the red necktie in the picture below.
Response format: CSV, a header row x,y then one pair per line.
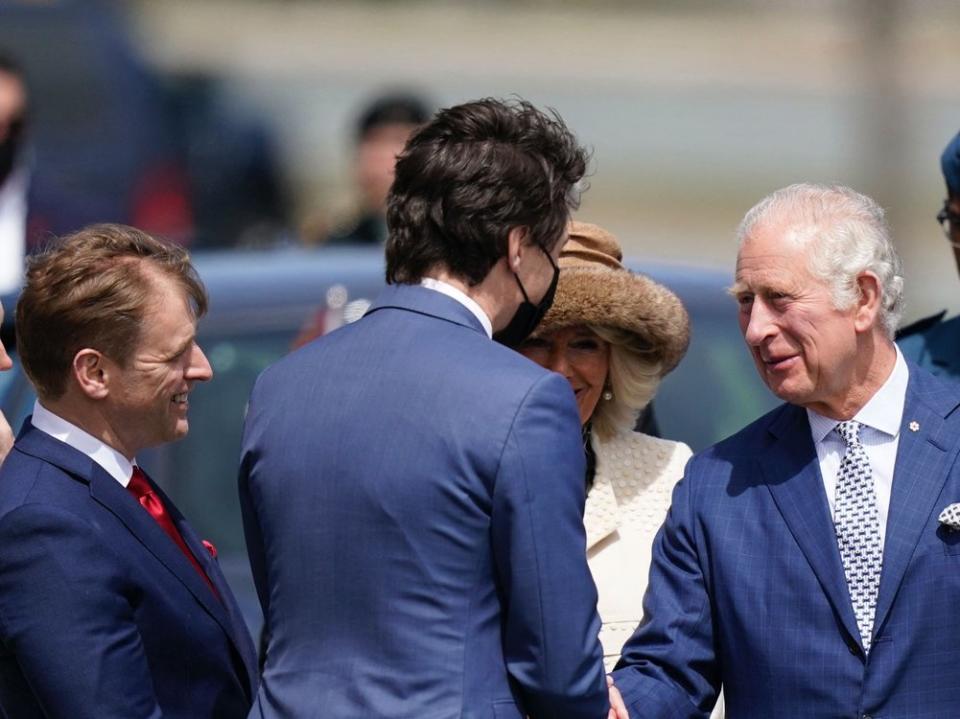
x,y
140,488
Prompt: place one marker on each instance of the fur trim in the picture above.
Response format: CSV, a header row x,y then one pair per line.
x,y
625,300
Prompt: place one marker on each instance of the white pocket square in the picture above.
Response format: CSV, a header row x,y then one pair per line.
x,y
950,517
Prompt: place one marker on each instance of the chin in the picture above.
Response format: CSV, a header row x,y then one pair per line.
x,y
180,431
789,394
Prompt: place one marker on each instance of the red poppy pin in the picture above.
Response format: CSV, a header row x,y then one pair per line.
x,y
210,548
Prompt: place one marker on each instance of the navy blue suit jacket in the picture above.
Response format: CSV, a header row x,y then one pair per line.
x,y
412,496
101,615
747,588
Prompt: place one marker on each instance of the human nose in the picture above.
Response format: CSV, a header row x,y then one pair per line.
x,y
199,369
756,322
557,362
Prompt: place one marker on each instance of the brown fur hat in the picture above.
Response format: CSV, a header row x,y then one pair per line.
x,y
595,288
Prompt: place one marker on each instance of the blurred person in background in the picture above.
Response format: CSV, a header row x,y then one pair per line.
x,y
6,433
933,342
614,335
111,605
13,173
382,130
412,492
234,179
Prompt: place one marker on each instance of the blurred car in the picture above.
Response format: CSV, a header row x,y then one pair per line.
x,y
262,304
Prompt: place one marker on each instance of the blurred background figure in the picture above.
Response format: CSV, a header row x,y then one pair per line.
x,y
234,183
101,146
13,174
381,132
933,342
114,139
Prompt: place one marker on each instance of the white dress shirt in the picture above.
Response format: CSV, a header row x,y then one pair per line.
x,y
114,463
464,299
881,417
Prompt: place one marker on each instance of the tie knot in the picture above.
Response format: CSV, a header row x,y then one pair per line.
x,y
139,486
850,431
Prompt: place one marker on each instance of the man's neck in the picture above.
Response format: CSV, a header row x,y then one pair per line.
x,y
879,358
90,421
484,294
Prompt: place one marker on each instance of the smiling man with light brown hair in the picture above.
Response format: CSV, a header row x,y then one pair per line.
x,y
111,606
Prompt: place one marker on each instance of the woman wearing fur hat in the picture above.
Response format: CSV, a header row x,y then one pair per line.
x,y
614,335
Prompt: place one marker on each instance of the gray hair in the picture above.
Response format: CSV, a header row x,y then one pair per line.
x,y
847,234
633,378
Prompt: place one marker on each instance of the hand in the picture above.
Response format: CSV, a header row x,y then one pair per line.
x,y
6,437
618,710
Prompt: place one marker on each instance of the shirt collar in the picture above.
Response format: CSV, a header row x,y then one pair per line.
x,y
113,463
450,291
883,411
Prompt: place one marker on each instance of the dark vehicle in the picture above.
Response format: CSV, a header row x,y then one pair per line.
x,y
263,304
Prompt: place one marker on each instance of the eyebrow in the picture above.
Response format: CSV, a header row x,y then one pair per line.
x,y
737,288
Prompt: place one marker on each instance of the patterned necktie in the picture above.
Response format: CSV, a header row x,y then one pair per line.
x,y
857,523
140,488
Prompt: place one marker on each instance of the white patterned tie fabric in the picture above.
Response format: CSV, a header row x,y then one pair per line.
x,y
857,524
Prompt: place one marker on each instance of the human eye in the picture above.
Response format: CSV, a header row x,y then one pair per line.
x,y
535,348
534,343
744,299
585,344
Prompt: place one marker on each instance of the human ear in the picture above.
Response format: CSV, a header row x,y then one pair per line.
x,y
91,373
869,302
516,246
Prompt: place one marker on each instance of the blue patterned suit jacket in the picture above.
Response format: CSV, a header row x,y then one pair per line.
x,y
413,503
747,589
101,614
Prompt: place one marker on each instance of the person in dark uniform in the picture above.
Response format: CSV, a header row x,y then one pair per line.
x,y
934,342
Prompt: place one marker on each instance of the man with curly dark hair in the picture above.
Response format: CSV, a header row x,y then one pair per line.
x,y
412,491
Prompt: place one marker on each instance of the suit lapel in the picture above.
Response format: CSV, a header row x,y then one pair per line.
x,y
105,490
918,479
239,632
792,473
110,494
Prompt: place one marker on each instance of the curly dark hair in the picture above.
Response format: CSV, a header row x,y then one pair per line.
x,y
472,174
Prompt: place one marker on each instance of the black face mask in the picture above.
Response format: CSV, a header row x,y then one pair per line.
x,y
528,315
